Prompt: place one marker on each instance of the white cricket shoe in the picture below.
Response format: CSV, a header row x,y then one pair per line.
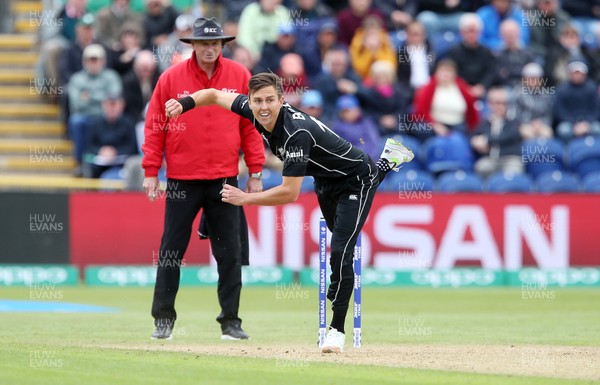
x,y
334,342
396,153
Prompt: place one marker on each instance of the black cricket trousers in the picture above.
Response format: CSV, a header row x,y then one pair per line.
x,y
184,199
345,204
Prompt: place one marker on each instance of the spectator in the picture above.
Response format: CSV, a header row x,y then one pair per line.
x,y
312,103
351,19
383,98
172,51
475,63
336,68
497,140
110,138
400,13
233,9
585,16
139,83
159,22
69,16
512,56
533,102
357,128
415,58
444,112
336,5
546,22
244,57
442,16
371,43
230,28
308,16
56,36
576,109
110,22
493,15
327,39
87,89
272,53
71,58
259,24
293,77
570,49
130,43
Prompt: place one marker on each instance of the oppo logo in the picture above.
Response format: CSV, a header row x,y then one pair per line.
x,y
210,30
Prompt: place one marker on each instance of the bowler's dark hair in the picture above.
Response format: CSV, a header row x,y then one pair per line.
x,y
265,79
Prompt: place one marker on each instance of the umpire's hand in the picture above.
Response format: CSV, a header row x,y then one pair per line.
x,y
151,187
253,185
173,108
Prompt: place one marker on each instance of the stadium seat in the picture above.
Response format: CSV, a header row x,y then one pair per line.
x,y
557,181
503,182
591,182
113,173
447,153
443,41
542,155
407,180
271,178
584,155
459,181
308,184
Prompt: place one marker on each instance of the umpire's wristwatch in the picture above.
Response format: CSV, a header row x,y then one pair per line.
x,y
256,175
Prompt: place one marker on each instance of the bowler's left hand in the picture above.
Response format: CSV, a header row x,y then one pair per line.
x,y
232,195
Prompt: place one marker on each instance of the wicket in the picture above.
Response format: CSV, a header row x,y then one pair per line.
x,y
357,337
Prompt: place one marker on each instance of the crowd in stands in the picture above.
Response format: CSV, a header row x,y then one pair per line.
x,y
481,90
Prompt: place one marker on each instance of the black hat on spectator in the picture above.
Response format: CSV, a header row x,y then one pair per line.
x,y
206,29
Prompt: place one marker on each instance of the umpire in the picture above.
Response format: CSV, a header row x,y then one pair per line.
x,y
202,152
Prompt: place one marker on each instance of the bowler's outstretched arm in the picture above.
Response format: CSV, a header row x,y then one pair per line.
x,y
206,97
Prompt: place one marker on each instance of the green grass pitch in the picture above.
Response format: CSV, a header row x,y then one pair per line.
x,y
115,348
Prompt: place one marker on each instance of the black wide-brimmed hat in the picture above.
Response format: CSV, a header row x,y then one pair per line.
x,y
206,29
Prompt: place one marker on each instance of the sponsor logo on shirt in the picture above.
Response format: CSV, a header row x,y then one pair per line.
x,y
353,197
295,154
232,90
183,94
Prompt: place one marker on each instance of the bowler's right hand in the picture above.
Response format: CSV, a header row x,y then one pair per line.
x,y
173,108
151,187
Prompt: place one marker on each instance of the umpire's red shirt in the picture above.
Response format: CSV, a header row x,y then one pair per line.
x,y
203,143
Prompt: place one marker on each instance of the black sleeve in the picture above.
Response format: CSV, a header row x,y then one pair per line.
x,y
297,152
240,106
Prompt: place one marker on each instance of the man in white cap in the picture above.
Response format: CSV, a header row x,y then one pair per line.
x,y
87,89
202,153
576,108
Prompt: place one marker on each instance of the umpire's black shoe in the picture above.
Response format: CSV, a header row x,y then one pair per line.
x,y
163,329
232,330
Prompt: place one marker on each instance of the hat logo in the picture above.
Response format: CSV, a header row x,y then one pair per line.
x,y
206,29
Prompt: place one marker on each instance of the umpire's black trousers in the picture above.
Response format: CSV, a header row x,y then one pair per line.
x,y
184,199
345,204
